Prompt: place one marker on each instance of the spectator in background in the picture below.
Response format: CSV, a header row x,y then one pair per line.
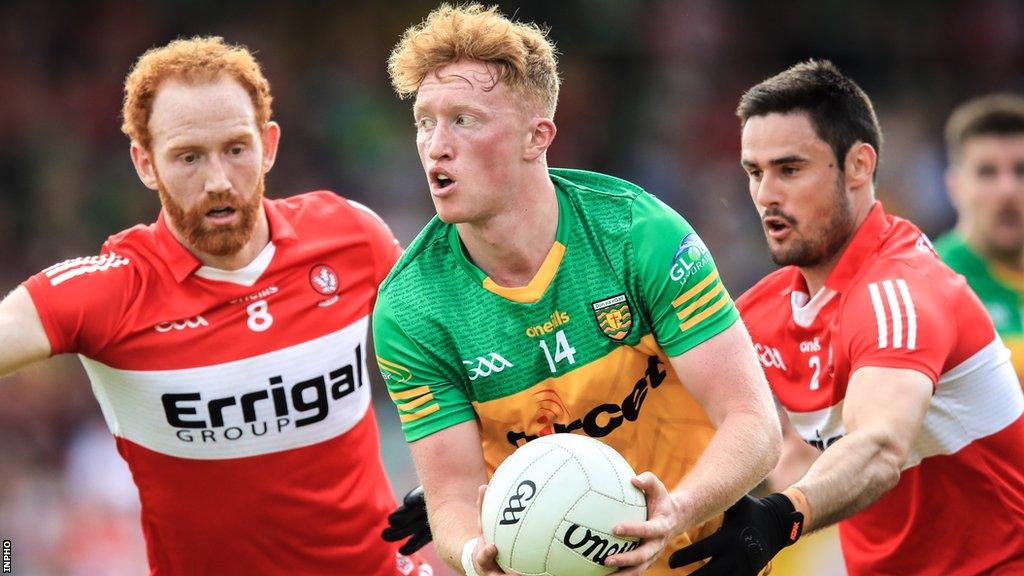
x,y
985,143
226,342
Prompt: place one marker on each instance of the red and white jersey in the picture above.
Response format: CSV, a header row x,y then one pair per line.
x,y
889,302
240,399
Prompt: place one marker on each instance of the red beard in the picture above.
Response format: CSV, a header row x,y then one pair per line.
x,y
214,239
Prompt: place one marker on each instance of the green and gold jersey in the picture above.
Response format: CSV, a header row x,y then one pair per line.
x,y
583,348
999,289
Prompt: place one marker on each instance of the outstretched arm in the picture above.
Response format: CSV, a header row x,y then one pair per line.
x,y
865,463
851,474
22,337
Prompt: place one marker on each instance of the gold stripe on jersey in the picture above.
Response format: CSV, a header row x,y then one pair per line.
x,y
417,397
540,282
393,369
696,289
417,415
601,397
691,302
722,301
686,312
415,403
410,393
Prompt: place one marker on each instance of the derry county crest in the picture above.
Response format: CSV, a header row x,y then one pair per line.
x,y
614,316
324,280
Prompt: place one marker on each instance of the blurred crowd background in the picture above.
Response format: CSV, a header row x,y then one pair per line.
x,y
648,94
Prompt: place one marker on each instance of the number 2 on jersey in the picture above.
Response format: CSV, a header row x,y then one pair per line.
x,y
815,362
563,351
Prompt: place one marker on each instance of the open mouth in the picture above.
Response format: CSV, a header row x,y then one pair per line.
x,y
441,179
776,226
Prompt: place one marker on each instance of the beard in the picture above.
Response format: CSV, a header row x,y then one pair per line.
x,y
823,243
208,238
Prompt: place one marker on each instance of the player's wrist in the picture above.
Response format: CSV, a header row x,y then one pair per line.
x,y
800,503
790,520
467,557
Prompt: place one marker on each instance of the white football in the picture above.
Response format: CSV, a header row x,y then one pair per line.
x,y
551,506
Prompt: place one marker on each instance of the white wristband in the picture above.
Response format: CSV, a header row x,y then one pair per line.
x,y
467,557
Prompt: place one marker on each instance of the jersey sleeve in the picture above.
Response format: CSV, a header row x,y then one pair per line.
x,y
386,248
685,297
427,401
896,318
82,301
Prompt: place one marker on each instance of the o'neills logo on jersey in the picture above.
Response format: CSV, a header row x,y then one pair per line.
x,y
324,280
603,419
556,319
198,418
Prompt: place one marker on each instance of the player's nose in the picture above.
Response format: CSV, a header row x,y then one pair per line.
x,y
216,176
440,143
767,192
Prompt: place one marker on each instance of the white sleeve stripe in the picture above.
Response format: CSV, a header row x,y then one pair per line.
x,y
895,314
908,304
62,266
876,301
87,270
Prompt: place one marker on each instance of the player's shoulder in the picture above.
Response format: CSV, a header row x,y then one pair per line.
x,y
905,252
423,260
317,206
612,207
594,184
768,291
121,261
324,212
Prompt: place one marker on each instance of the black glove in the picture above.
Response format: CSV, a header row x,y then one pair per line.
x,y
409,520
752,533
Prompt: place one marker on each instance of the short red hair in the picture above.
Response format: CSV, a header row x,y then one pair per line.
x,y
193,59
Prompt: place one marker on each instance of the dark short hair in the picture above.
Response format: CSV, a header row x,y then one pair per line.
x,y
991,115
838,108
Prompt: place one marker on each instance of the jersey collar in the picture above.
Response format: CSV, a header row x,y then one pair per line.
x,y
533,291
183,263
860,249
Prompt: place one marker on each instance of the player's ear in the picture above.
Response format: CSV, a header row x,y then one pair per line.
x,y
860,165
539,138
144,166
270,136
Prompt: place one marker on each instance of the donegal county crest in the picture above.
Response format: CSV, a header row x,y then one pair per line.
x,y
614,316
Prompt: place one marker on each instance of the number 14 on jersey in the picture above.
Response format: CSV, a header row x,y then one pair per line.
x,y
563,351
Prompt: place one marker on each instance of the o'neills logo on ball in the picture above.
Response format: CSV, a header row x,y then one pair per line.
x,y
324,280
593,546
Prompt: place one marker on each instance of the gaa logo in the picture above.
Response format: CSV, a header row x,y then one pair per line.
x,y
323,279
484,367
517,502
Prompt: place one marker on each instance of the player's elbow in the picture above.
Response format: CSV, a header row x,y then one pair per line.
x,y
891,454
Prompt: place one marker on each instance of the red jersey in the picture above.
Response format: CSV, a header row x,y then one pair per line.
x,y
240,399
890,302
